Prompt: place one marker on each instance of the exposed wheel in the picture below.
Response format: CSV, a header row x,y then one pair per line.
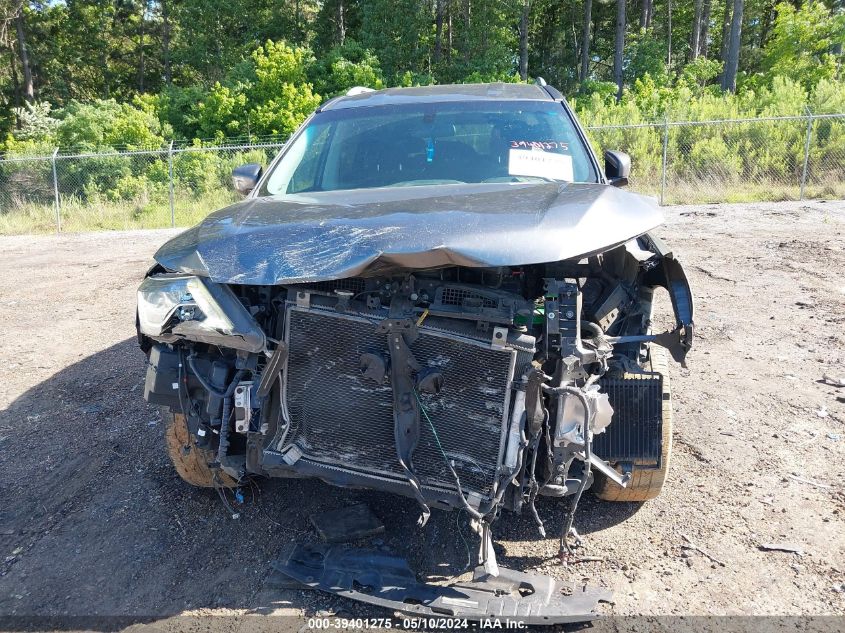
x,y
646,484
191,462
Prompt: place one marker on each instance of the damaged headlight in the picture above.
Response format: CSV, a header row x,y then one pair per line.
x,y
185,306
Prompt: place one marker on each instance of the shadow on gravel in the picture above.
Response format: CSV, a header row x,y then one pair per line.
x,y
100,524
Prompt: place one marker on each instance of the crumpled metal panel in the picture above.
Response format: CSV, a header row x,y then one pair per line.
x,y
386,580
330,235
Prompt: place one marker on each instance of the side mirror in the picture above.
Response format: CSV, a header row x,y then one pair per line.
x,y
617,168
245,177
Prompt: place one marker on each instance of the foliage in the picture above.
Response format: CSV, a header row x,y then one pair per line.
x,y
646,54
280,96
801,44
35,122
106,124
215,68
344,66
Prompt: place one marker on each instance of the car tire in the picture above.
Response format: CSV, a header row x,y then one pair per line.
x,y
646,484
192,463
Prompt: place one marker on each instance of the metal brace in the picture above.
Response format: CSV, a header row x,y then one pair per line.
x,y
500,337
406,409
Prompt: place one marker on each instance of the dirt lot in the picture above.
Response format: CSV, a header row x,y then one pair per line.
x,y
95,521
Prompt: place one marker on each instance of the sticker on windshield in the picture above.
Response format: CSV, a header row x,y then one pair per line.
x,y
540,145
536,162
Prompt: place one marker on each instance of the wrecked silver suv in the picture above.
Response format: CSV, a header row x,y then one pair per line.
x,y
434,292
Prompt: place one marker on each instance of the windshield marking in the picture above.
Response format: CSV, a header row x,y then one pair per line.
x,y
535,162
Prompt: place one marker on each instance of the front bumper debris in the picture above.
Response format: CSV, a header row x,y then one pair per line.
x,y
387,581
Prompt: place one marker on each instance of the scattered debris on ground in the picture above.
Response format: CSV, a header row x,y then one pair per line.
x,y
347,524
791,548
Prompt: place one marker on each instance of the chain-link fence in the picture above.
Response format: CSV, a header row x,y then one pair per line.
x,y
776,158
742,160
175,186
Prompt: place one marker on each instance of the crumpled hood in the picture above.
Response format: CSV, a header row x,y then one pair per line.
x,y
331,235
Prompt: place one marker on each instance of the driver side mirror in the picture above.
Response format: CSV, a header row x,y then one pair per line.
x,y
617,168
245,177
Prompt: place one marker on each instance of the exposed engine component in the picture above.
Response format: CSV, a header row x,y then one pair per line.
x,y
243,406
431,384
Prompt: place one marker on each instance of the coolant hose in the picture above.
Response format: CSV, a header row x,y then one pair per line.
x,y
595,328
205,384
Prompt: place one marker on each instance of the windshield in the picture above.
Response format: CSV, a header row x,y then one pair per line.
x,y
433,143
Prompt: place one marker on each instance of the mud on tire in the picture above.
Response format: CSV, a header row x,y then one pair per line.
x,y
646,484
191,462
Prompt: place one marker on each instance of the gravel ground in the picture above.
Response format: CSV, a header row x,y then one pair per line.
x,y
96,522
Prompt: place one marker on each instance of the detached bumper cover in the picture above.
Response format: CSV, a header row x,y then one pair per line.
x,y
386,581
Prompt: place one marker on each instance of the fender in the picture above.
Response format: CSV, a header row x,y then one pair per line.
x,y
669,274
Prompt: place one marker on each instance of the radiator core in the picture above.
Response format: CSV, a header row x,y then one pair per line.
x,y
339,417
634,434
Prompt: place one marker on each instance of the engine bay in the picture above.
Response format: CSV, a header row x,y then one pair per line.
x,y
465,388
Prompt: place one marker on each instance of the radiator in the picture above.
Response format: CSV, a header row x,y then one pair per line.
x,y
634,434
339,417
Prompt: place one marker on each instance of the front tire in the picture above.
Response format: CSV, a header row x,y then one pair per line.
x,y
192,463
646,484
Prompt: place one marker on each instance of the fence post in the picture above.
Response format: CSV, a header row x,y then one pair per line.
x,y
806,153
663,165
56,193
170,179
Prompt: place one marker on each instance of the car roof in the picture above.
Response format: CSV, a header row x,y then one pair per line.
x,y
441,93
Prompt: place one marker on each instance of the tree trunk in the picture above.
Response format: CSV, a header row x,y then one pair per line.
x,y
467,28
165,41
585,40
768,19
619,47
438,31
142,62
107,76
28,85
341,22
695,39
705,28
523,41
726,31
16,86
669,34
645,14
732,62
449,41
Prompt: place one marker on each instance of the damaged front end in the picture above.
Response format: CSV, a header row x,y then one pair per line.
x,y
473,388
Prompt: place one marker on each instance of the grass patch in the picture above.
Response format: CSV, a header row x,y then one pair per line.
x,y
79,215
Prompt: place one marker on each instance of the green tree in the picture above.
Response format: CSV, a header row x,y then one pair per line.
x,y
399,31
106,124
349,64
280,97
802,43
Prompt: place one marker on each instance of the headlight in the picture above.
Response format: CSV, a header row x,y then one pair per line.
x,y
196,309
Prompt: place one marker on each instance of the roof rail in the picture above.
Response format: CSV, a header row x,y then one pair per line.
x,y
358,90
